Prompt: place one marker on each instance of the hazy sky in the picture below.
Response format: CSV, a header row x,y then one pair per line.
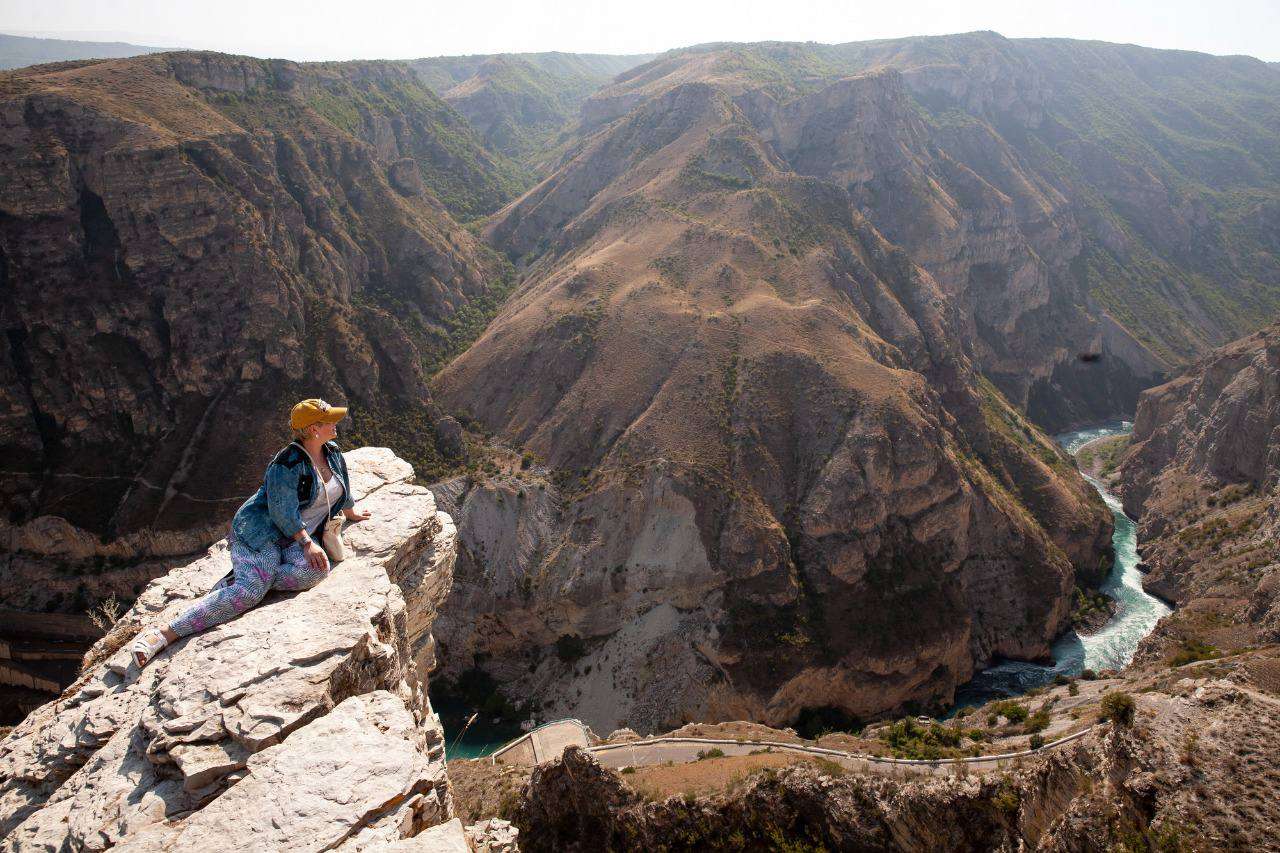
x,y
351,29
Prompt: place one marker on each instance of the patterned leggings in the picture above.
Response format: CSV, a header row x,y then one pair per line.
x,y
255,573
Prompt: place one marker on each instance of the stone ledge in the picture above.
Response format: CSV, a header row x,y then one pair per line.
x,y
168,755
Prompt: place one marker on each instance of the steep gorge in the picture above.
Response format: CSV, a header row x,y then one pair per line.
x,y
714,331
787,323
188,242
795,490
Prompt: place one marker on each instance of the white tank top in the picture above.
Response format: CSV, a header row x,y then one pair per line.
x,y
314,515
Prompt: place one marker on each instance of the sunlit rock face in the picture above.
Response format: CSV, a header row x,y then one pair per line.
x,y
302,724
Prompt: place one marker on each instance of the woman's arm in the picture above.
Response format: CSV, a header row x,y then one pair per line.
x,y
282,499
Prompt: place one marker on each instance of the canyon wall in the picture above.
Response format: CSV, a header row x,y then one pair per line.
x,y
789,319
1201,475
787,485
189,243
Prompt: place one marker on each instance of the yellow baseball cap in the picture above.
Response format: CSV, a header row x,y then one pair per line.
x,y
315,411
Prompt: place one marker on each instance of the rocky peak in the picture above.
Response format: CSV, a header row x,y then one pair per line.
x,y
303,724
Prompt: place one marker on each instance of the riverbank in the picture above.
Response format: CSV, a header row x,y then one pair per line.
x,y
1099,457
1112,646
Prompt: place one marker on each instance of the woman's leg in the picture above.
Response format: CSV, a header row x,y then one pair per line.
x,y
254,572
295,572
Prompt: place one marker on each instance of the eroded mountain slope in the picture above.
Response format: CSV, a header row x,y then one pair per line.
x,y
1080,198
1202,474
794,490
188,242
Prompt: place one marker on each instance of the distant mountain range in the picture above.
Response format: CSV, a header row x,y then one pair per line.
x,y
21,51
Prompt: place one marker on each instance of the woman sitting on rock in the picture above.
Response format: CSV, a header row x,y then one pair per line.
x,y
305,486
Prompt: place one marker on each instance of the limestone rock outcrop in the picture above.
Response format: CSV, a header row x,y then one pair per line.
x,y
304,724
1202,475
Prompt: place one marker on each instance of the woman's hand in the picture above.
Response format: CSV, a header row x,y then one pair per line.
x,y
353,514
316,557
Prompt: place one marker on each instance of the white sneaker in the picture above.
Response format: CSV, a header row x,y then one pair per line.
x,y
149,643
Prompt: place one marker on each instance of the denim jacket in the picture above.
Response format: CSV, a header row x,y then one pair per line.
x,y
273,516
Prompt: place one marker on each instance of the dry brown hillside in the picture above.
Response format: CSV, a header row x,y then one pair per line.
x,y
794,490
190,242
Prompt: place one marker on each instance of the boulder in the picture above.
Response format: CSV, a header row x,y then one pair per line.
x,y
304,724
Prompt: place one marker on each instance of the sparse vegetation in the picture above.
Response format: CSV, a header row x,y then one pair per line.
x,y
105,614
570,647
1119,708
1192,650
908,738
1012,711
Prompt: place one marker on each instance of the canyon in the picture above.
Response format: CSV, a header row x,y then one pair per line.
x,y
736,365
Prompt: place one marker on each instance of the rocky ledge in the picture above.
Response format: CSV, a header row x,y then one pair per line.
x,y
304,724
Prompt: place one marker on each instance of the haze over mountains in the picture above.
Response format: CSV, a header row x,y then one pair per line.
x,y
781,327
21,51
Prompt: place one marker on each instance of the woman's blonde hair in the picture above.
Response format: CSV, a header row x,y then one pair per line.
x,y
299,434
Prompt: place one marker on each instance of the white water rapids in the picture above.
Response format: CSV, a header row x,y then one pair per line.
x,y
1110,648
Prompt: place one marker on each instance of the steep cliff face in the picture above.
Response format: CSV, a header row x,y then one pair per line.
x,y
1202,476
794,491
188,244
303,724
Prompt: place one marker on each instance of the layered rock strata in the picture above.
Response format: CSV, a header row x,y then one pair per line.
x,y
303,725
780,482
191,242
761,286
1203,476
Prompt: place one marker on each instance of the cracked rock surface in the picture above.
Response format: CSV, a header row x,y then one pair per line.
x,y
303,724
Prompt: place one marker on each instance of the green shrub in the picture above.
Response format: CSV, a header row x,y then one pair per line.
x,y
1193,650
714,752
827,767
1012,711
1088,675
1073,689
1118,707
1037,722
910,739
1037,741
1006,799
